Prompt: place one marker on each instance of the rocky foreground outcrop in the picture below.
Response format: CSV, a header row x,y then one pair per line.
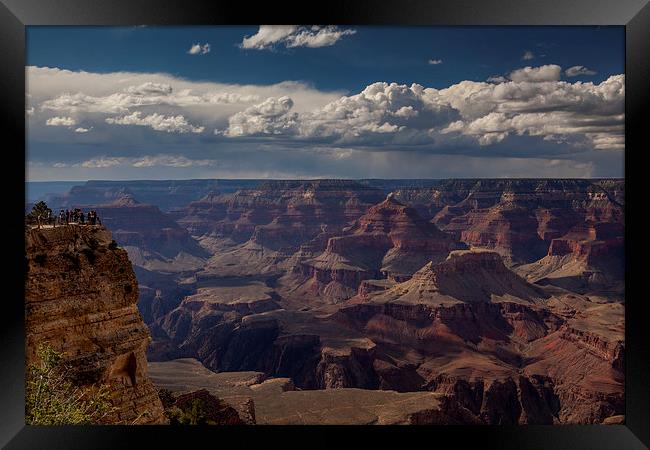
x,y
80,298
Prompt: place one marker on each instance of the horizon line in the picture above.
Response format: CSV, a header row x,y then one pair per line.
x,y
327,178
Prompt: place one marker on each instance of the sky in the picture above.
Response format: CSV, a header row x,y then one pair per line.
x,y
324,102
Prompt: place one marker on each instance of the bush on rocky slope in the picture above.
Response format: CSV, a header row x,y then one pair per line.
x,y
52,399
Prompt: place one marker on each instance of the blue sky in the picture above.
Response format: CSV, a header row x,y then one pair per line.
x,y
304,102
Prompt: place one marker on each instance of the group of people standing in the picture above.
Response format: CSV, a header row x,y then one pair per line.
x,y
67,217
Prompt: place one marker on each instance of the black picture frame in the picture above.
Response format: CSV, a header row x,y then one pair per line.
x,y
16,14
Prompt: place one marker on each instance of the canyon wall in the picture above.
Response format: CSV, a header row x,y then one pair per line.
x,y
81,298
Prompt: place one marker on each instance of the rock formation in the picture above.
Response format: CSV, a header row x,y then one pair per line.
x,y
270,224
80,298
467,328
154,241
168,195
517,218
277,402
390,241
587,259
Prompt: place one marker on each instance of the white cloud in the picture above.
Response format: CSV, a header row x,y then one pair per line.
x,y
104,162
86,95
268,117
381,109
585,113
392,114
159,122
317,36
149,88
528,55
82,130
30,111
198,49
170,161
459,118
60,122
497,79
142,96
548,72
268,36
574,71
435,62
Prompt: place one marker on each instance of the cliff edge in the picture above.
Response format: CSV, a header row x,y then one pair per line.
x,y
80,298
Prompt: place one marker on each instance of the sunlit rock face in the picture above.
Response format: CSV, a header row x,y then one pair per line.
x,y
80,298
390,241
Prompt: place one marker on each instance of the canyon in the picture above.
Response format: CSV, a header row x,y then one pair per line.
x,y
492,301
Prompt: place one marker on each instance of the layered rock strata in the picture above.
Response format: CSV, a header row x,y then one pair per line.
x,y
80,298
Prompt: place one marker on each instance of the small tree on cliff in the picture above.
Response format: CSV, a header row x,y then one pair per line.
x,y
40,211
52,399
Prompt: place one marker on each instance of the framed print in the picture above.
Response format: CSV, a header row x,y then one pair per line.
x,y
403,221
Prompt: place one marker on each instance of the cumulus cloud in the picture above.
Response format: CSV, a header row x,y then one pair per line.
x,y
149,88
139,96
528,55
88,94
82,130
269,36
30,111
548,72
159,122
317,36
435,62
515,116
406,113
393,114
268,117
574,71
580,113
198,49
60,122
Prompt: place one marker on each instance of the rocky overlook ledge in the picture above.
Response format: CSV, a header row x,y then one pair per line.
x,y
80,298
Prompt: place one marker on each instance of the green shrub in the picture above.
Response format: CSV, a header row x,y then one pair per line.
x,y
52,399
197,408
166,397
197,414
